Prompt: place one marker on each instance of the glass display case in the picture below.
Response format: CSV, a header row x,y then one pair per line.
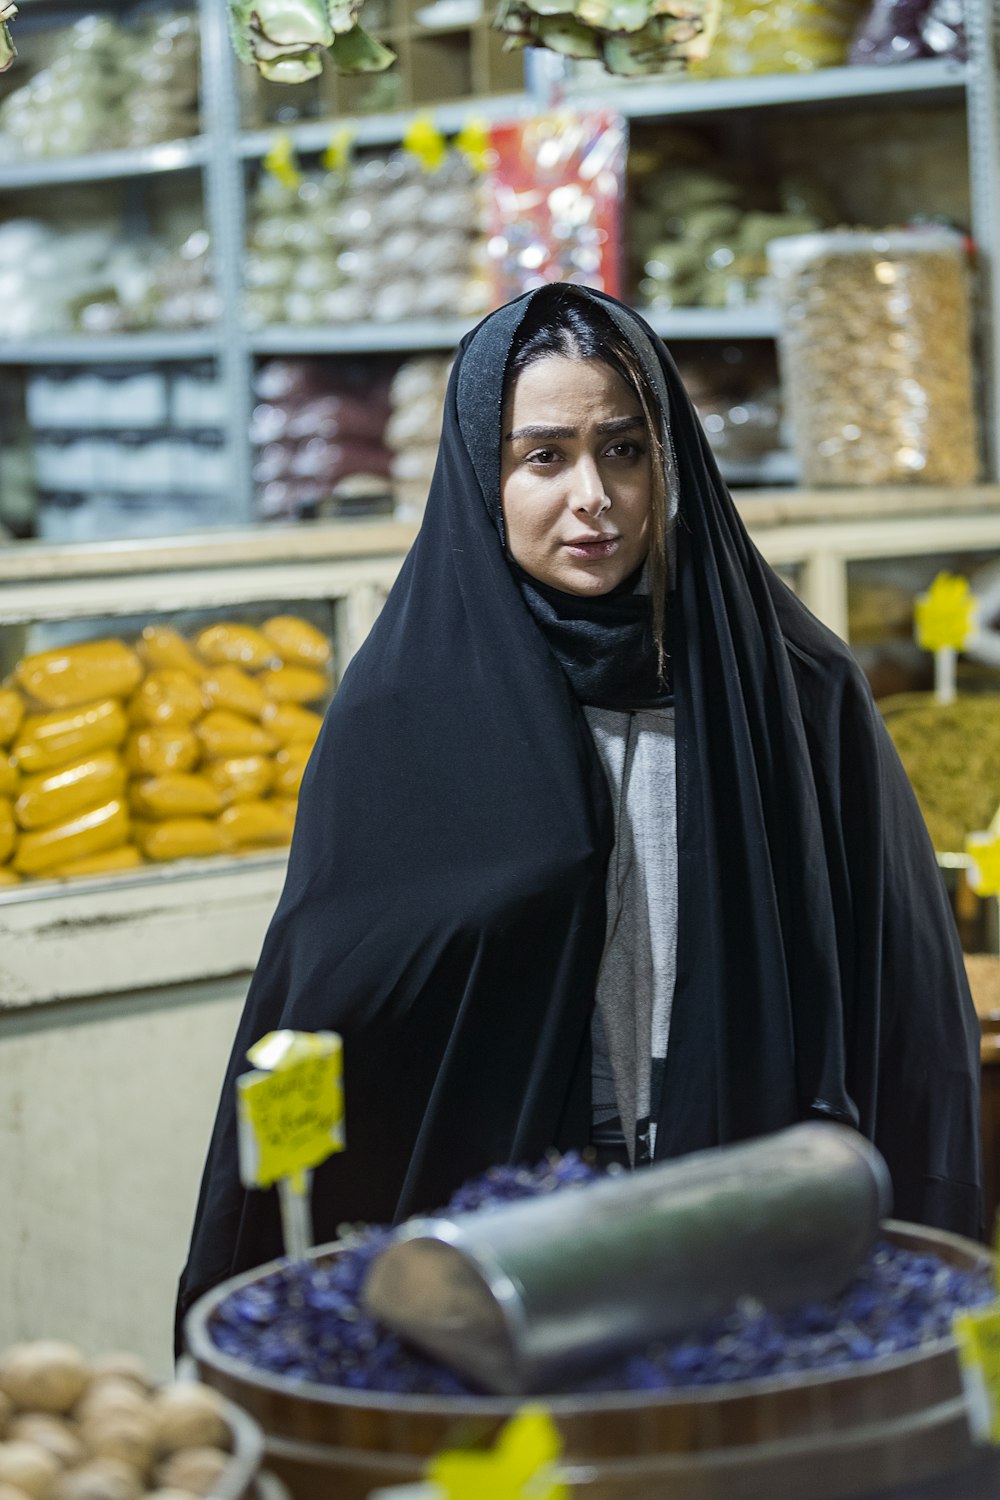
x,y
158,708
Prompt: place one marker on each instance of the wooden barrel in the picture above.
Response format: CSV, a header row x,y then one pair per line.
x,y
862,1430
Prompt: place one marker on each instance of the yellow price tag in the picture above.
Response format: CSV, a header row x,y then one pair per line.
x,y
984,851
522,1465
946,615
337,156
291,1118
977,1333
425,141
281,162
473,142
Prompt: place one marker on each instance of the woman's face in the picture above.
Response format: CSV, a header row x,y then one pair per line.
x,y
575,475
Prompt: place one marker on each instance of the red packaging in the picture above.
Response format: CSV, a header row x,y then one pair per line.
x,y
557,202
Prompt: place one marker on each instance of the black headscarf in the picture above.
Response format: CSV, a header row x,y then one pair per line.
x,y
444,903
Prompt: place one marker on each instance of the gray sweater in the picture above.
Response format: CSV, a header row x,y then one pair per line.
x,y
635,985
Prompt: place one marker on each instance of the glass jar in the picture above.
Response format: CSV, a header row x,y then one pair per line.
x,y
875,356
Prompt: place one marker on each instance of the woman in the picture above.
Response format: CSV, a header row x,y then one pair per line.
x,y
595,751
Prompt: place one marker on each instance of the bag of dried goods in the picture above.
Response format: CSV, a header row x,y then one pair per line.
x,y
55,739
72,675
290,763
224,734
11,714
53,796
167,696
297,641
176,794
242,645
241,778
255,823
287,684
90,832
289,722
228,686
162,646
127,857
161,748
8,830
10,777
179,838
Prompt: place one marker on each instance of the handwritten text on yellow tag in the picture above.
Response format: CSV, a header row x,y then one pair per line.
x,y
946,614
292,1118
520,1467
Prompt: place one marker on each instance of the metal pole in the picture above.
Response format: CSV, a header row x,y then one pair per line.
x,y
225,205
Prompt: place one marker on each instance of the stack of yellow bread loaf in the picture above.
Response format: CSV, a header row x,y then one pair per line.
x,y
113,753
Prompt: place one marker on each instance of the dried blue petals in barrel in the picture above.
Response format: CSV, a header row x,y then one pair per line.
x,y
307,1322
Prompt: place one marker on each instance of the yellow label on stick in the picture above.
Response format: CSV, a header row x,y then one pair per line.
x,y
520,1467
280,161
337,156
424,141
983,850
946,615
473,142
978,1335
291,1118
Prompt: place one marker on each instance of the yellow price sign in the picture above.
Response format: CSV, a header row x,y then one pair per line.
x,y
291,1118
337,156
424,141
983,850
977,1333
522,1465
473,142
281,162
945,617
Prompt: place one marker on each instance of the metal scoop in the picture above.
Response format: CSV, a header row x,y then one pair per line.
x,y
524,1297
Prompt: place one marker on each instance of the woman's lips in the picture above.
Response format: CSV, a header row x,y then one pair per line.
x,y
603,546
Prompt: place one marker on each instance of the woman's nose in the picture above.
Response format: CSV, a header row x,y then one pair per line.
x,y
589,494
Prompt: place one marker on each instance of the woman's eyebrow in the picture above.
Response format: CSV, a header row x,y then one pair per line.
x,y
614,424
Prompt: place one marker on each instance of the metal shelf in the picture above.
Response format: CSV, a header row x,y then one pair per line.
x,y
101,166
387,129
362,338
914,82
120,348
759,321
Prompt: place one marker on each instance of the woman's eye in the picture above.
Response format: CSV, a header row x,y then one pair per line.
x,y
542,456
625,449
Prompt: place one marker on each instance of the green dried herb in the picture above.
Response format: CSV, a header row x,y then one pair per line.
x,y
951,753
630,37
8,51
286,39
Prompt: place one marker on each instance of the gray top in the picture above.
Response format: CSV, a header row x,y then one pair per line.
x,y
635,986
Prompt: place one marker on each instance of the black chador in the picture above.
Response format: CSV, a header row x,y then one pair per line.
x,y
444,904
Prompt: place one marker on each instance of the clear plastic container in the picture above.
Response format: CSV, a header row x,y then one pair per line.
x,y
875,355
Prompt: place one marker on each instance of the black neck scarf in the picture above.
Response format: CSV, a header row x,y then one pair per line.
x,y
444,903
605,645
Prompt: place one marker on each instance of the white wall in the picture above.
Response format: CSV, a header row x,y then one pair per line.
x,y
105,1111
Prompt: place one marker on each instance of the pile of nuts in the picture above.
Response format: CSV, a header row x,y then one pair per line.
x,y
73,1430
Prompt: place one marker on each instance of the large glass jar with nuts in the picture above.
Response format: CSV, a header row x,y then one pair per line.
x,y
875,354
